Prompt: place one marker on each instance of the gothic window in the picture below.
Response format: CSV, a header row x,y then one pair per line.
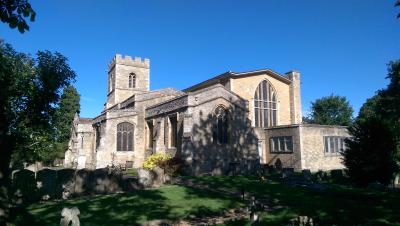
x,y
125,132
132,80
173,131
265,105
150,131
220,131
98,135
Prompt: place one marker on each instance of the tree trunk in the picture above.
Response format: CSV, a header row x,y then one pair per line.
x,y
5,152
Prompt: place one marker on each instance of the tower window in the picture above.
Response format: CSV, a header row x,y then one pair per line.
x,y
132,80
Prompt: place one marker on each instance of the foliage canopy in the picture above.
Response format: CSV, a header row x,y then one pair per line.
x,y
330,110
14,12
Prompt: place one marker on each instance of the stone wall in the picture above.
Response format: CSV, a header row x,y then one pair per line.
x,y
288,160
308,147
202,153
245,87
295,97
119,70
107,154
65,183
312,142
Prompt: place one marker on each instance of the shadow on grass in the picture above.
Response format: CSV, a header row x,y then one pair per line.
x,y
338,205
165,203
120,209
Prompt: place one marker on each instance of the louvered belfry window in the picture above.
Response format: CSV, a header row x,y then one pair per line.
x,y
125,132
132,80
265,105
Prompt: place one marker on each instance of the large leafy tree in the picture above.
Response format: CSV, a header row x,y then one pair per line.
x,y
14,12
374,151
64,115
330,110
29,95
398,4
370,156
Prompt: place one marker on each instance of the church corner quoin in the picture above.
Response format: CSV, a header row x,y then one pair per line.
x,y
231,122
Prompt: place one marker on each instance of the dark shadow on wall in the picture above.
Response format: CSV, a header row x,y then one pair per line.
x,y
238,155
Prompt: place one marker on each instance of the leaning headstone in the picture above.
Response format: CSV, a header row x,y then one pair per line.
x,y
301,221
24,186
129,164
287,172
46,183
278,165
306,175
321,176
396,181
101,180
337,175
65,183
376,186
146,177
70,217
159,174
83,183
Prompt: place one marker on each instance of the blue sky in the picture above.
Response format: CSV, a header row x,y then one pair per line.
x,y
340,47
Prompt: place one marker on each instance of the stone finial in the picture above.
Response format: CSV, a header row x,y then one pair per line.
x,y
293,75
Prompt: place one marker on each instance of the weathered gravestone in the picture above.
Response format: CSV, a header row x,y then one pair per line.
x,y
159,176
337,175
84,182
24,186
46,183
105,182
322,176
287,172
70,217
65,183
301,221
278,165
306,175
146,177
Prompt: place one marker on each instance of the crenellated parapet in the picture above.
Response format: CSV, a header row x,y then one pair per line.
x,y
127,60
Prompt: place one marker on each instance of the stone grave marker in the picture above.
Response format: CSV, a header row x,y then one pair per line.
x,y
46,183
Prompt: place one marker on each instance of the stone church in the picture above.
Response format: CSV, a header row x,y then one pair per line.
x,y
235,120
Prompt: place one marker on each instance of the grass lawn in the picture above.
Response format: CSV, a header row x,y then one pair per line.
x,y
336,206
168,202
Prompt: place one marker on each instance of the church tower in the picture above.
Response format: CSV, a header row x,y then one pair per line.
x,y
127,77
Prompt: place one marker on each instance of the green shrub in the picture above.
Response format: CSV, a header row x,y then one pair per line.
x,y
155,160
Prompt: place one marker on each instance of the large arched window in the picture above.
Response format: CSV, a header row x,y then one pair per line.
x,y
221,130
125,134
265,105
132,80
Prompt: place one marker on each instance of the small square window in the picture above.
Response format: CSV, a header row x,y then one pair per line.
x,y
282,144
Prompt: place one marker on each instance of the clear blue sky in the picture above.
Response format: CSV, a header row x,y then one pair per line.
x,y
340,47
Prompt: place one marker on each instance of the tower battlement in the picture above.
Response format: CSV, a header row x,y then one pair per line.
x,y
127,60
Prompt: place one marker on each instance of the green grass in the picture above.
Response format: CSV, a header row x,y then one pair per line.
x,y
131,172
168,202
338,205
